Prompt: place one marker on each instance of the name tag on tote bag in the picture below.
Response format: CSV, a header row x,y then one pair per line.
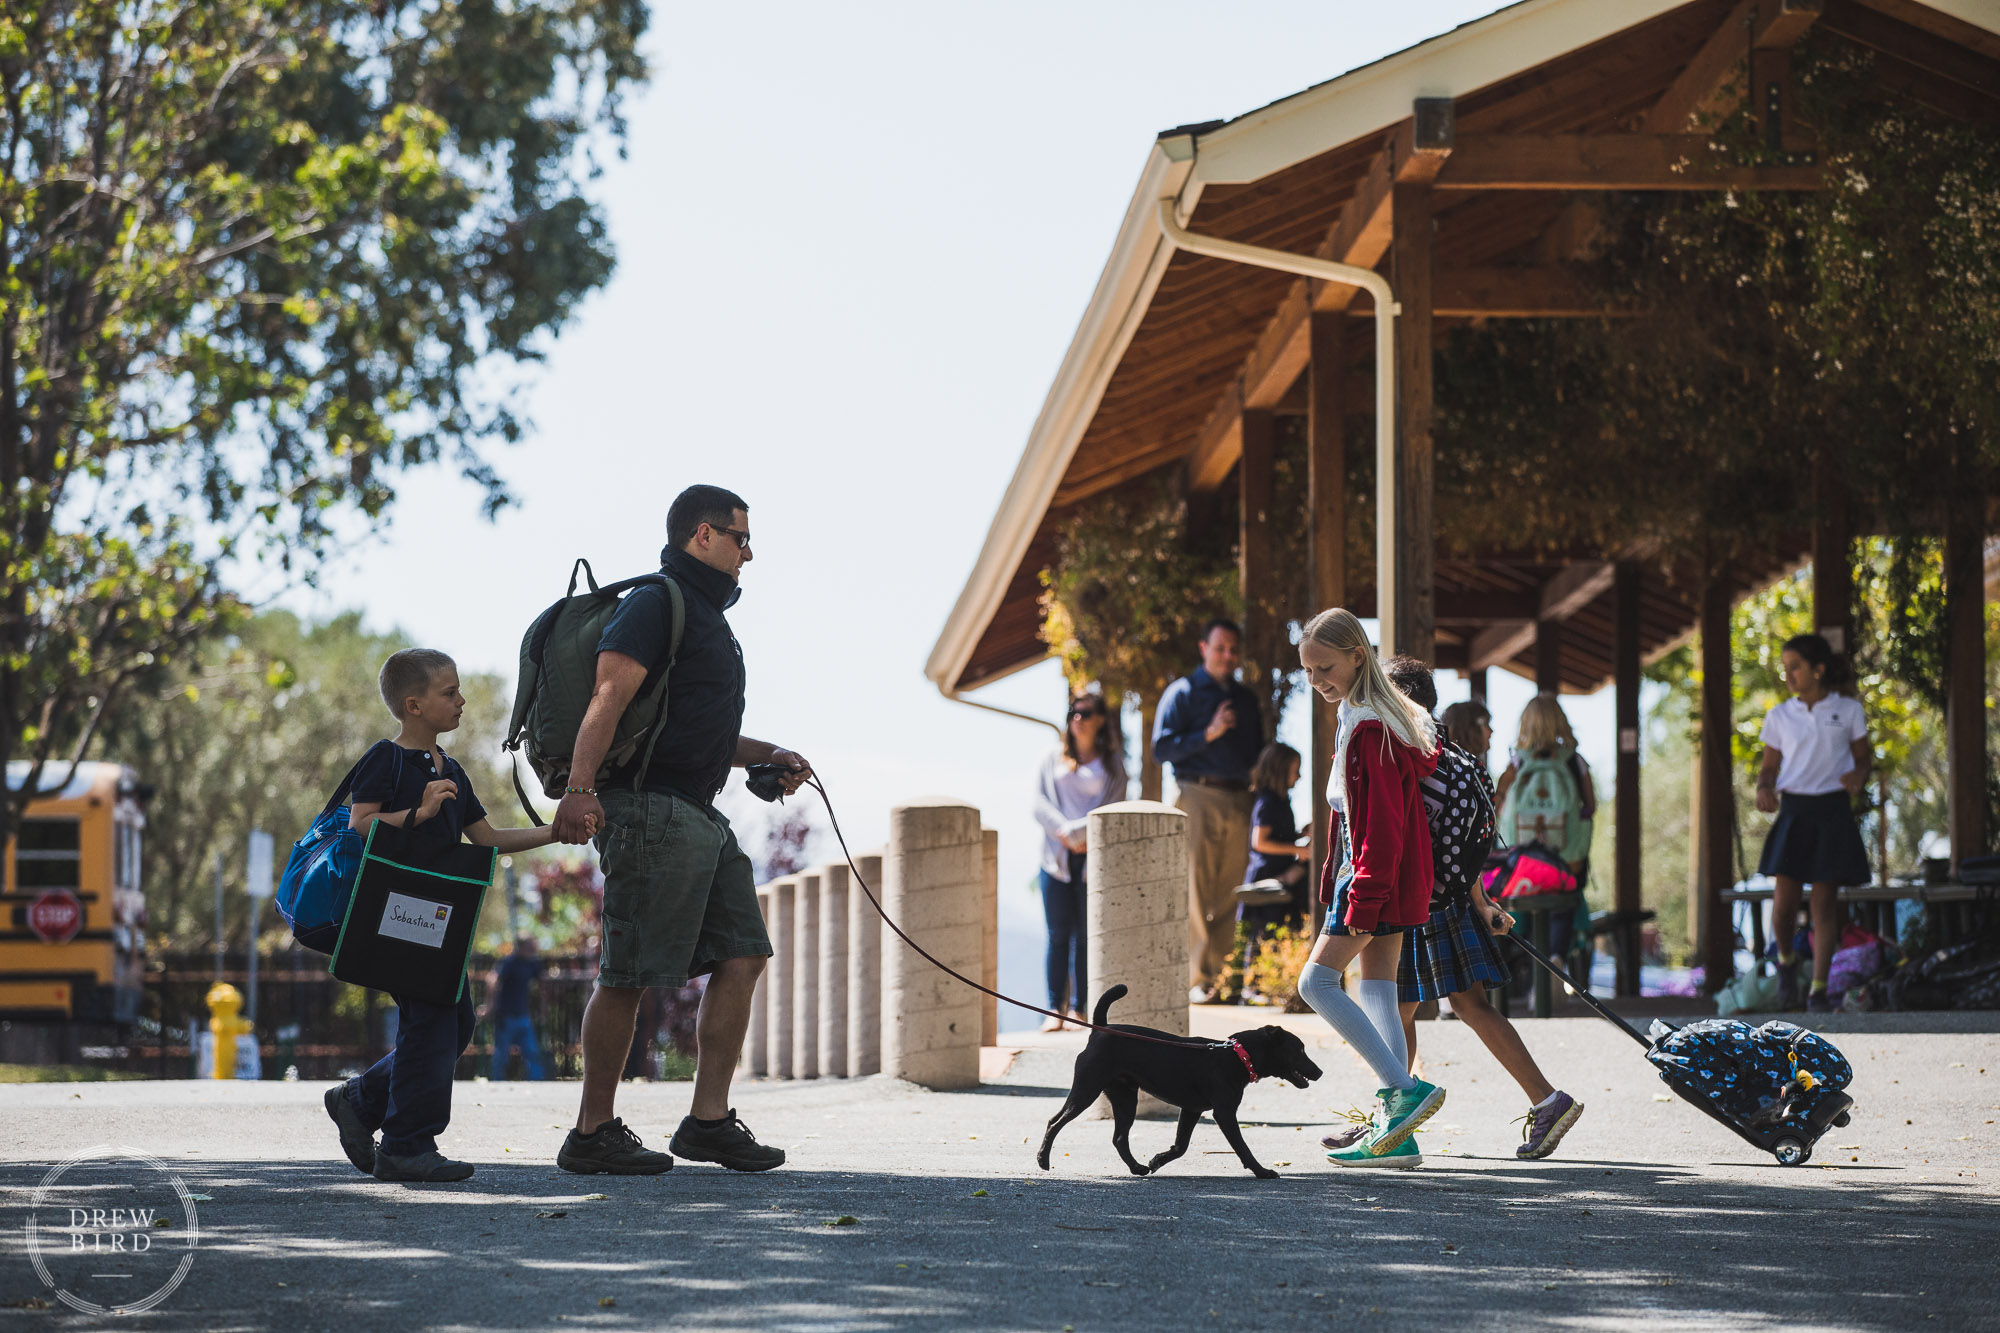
x,y
412,914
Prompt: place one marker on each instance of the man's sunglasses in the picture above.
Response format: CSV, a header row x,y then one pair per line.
x,y
742,538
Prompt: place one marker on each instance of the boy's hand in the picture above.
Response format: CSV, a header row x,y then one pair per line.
x,y
578,818
435,795
1499,921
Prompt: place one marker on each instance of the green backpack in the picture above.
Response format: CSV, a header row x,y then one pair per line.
x,y
559,675
1542,802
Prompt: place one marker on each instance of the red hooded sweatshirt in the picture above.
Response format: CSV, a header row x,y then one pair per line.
x,y
1387,831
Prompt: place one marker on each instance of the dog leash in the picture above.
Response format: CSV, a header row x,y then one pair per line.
x,y
1182,1043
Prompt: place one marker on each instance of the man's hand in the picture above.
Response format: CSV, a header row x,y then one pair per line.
x,y
435,795
1223,721
578,818
1767,797
800,770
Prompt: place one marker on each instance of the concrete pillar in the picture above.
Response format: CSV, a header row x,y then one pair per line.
x,y
864,970
757,1041
1137,912
989,935
805,978
833,895
932,884
784,893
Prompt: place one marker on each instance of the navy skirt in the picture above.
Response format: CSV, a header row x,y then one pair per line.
x,y
1816,841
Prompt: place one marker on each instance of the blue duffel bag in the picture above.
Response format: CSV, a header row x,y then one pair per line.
x,y
319,877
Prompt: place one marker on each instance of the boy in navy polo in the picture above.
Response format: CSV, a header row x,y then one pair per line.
x,y
412,783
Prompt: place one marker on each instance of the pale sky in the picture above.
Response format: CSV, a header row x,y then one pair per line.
x,y
853,244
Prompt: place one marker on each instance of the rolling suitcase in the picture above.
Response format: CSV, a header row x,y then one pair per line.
x,y
1777,1086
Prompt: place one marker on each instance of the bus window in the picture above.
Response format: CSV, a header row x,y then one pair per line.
x,y
48,855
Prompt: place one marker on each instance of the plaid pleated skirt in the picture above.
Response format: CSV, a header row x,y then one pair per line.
x,y
1447,954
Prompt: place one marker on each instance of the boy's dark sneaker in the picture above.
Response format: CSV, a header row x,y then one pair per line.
x,y
729,1144
1821,1002
355,1140
427,1168
1788,987
611,1150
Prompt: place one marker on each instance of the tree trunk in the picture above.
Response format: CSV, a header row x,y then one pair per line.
x,y
1149,767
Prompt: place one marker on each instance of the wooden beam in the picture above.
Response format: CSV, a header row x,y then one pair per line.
x,y
1412,255
1935,55
1574,588
1254,571
1548,657
1607,162
1413,152
1965,670
1626,896
1710,86
1326,542
1833,571
1717,774
1483,608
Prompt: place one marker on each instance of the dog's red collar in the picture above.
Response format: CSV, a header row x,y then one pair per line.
x,y
1244,1056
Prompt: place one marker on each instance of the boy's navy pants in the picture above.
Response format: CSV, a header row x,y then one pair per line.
x,y
407,1093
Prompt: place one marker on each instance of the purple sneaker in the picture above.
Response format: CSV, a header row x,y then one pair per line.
x,y
1545,1125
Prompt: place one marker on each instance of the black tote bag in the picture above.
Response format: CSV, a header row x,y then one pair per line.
x,y
411,917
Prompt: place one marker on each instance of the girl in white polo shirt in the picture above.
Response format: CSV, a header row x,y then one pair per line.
x,y
1816,757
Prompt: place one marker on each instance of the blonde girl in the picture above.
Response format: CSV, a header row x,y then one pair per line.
x,y
1380,884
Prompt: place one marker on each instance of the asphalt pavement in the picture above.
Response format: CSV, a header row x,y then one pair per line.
x,y
908,1209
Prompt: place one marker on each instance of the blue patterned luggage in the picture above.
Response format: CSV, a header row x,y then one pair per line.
x,y
1778,1086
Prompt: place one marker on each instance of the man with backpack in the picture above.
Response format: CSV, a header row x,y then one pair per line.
x,y
680,897
1453,955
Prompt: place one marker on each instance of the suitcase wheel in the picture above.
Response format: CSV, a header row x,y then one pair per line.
x,y
1843,1120
1791,1151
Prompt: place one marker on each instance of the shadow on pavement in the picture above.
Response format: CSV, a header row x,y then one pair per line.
x,y
303,1245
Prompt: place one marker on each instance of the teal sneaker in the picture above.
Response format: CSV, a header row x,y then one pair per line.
x,y
1403,1109
1403,1154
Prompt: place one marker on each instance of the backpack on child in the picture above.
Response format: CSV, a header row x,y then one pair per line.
x,y
559,675
319,876
1543,800
1459,809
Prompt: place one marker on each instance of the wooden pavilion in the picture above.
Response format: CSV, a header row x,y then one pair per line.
x,y
1465,171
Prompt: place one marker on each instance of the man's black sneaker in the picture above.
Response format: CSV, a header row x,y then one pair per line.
x,y
729,1144
355,1140
429,1168
611,1150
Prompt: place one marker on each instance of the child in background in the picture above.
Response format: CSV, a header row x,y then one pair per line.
x,y
1275,849
1547,796
411,782
1816,757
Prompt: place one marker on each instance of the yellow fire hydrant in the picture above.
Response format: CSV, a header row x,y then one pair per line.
x,y
225,1004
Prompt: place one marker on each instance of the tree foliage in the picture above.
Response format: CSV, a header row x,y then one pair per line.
x,y
256,257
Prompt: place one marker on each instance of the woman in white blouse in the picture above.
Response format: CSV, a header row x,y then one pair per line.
x,y
1086,771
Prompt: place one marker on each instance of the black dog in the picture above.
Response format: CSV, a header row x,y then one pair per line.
x,y
1192,1074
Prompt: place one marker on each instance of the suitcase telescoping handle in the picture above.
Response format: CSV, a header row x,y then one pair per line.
x,y
1582,991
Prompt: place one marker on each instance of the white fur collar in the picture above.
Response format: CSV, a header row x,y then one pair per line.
x,y
1351,716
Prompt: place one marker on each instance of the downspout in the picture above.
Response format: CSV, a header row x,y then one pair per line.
x,y
1386,310
955,697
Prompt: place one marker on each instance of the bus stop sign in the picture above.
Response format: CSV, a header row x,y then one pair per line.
x,y
56,916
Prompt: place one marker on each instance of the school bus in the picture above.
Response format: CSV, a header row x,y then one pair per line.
x,y
73,938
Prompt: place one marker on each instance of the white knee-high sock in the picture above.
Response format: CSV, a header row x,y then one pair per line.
x,y
1320,987
1378,1000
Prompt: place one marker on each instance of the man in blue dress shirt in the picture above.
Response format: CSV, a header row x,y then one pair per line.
x,y
1210,729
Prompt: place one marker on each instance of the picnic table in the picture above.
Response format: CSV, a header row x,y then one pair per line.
x,y
1948,907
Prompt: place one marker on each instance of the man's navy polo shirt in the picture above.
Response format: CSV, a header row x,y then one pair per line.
x,y
1180,729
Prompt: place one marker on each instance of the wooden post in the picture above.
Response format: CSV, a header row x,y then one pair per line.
x,y
1718,802
1477,681
1625,708
1548,657
1833,573
1253,570
1150,772
1326,517
1965,669
1414,620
